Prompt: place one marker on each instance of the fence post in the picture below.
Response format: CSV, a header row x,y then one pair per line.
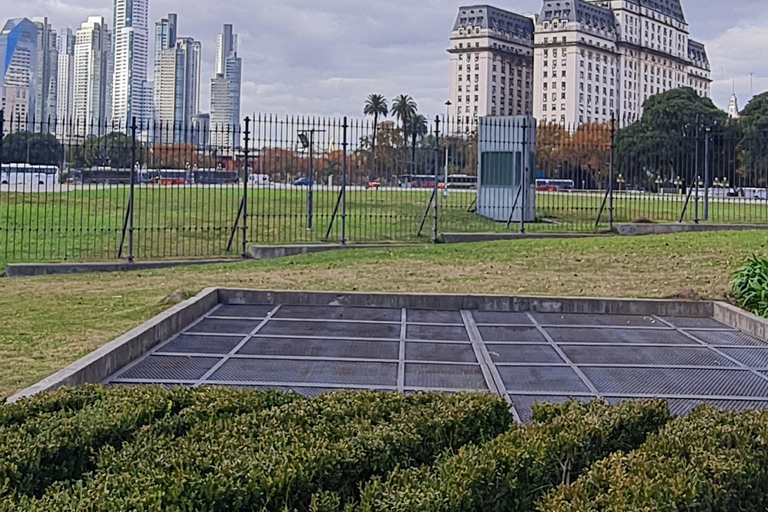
x,y
344,183
130,194
610,172
244,227
524,171
437,177
697,176
706,174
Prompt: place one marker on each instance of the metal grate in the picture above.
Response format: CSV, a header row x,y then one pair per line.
x,y
356,349
602,320
725,338
629,355
496,318
524,403
619,336
441,376
339,313
209,326
426,316
436,332
518,334
542,379
243,311
751,357
448,352
696,323
200,344
332,330
331,372
523,354
170,368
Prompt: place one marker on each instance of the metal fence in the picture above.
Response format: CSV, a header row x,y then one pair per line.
x,y
90,191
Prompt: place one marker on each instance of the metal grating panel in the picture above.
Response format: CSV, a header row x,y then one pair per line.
x,y
426,316
444,376
619,336
542,379
606,320
751,357
629,355
518,334
696,323
170,368
332,330
496,318
240,311
658,381
356,349
725,338
209,326
331,372
448,352
524,403
199,344
308,392
436,332
339,313
524,354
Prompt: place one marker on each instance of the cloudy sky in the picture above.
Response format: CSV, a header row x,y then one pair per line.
x,y
325,56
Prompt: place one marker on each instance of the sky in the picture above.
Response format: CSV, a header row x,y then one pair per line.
x,y
325,56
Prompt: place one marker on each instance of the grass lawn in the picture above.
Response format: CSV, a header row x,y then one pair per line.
x,y
170,222
48,322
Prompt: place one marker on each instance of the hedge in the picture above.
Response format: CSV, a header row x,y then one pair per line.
x,y
278,458
513,471
707,461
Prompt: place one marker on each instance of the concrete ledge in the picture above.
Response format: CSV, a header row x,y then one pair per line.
x,y
266,252
45,269
103,362
742,320
474,302
460,238
662,229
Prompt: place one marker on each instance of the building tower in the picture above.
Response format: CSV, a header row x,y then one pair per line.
x,y
225,91
66,75
18,54
46,76
92,77
491,64
131,93
177,86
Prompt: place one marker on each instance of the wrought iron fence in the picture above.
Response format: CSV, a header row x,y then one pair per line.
x,y
97,191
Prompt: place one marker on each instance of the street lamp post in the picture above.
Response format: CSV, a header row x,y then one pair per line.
x,y
620,180
659,183
308,143
678,183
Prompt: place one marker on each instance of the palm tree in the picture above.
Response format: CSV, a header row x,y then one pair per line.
x,y
416,126
403,108
375,105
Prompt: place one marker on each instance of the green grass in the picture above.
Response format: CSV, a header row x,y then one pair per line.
x,y
48,322
196,222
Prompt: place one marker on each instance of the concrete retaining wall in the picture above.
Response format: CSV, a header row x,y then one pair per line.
x,y
460,238
45,269
663,229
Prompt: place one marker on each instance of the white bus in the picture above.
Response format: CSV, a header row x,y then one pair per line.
x,y
29,175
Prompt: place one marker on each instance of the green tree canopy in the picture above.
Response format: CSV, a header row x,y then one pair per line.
x,y
111,150
32,148
753,147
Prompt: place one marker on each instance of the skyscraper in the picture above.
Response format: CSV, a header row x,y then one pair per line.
x,y
18,55
66,77
47,71
92,76
225,90
131,47
177,85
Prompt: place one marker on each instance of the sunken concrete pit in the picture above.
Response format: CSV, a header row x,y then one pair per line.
x,y
526,349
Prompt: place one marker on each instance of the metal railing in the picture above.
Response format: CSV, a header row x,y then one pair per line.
x,y
77,191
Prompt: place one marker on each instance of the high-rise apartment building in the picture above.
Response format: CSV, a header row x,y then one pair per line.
x,y
598,58
130,97
47,72
491,64
177,77
92,77
225,90
65,86
18,55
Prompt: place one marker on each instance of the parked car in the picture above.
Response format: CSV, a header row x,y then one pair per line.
x,y
374,184
302,182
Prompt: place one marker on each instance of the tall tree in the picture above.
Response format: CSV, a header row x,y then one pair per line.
x,y
375,105
753,146
32,148
403,108
416,127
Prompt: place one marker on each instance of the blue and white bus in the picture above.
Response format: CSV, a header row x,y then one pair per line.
x,y
29,175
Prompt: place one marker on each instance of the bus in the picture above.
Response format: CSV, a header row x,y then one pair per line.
x,y
462,181
29,175
418,180
555,185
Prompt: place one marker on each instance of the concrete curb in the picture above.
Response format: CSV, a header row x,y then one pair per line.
x,y
461,238
103,362
266,252
663,229
47,269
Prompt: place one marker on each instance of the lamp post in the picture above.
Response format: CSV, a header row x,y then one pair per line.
x,y
620,180
678,183
447,113
308,143
659,182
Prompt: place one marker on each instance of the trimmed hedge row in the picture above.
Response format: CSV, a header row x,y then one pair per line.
x,y
709,460
277,458
513,471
